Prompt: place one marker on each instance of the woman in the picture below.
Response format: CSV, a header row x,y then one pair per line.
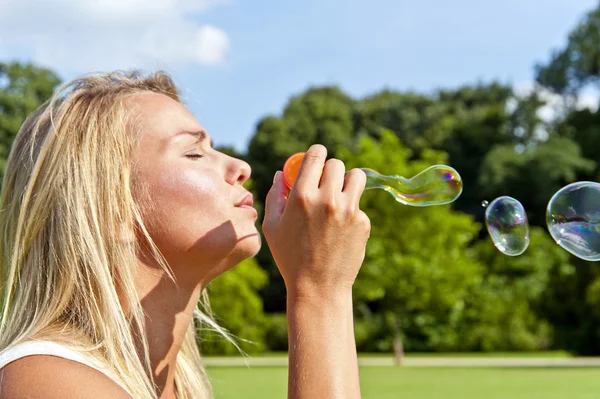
x,y
117,213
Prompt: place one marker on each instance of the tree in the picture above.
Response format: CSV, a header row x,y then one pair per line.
x,y
572,301
416,267
534,175
464,123
582,126
568,71
578,63
23,88
506,310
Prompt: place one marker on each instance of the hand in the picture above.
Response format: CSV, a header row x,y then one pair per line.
x,y
318,234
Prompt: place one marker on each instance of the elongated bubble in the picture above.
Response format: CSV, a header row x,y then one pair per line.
x,y
573,219
436,185
506,221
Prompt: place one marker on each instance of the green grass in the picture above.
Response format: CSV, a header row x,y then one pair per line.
x,y
424,383
546,354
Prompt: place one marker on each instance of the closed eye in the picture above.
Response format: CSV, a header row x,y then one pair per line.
x,y
194,156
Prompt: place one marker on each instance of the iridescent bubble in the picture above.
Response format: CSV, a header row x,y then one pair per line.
x,y
506,221
573,218
484,204
436,185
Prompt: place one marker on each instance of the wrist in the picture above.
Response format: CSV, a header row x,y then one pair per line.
x,y
319,301
318,293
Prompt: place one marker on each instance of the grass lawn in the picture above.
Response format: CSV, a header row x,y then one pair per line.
x,y
424,383
539,354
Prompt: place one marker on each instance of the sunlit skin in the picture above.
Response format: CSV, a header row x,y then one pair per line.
x,y
193,219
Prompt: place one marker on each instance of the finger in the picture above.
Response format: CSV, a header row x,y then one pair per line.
x,y
275,202
311,168
354,185
332,180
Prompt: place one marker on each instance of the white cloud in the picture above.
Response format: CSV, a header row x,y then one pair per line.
x,y
211,45
90,35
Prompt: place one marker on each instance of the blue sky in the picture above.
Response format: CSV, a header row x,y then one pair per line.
x,y
238,60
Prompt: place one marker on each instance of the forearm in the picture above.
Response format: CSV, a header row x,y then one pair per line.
x,y
322,349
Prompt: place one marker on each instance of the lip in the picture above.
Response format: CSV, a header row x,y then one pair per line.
x,y
247,201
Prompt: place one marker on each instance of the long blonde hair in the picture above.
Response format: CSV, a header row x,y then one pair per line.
x,y
64,269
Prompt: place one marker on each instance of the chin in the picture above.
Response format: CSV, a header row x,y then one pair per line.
x,y
249,247
243,250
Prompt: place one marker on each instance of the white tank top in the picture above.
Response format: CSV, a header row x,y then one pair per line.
x,y
29,348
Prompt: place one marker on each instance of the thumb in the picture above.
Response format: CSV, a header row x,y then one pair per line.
x,y
275,202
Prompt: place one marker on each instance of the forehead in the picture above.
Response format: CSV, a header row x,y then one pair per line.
x,y
160,117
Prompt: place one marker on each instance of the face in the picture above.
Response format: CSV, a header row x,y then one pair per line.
x,y
195,217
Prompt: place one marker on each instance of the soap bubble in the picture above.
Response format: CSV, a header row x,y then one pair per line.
x,y
573,219
506,221
436,185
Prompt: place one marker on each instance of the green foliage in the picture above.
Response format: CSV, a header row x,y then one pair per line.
x,y
502,313
237,307
416,267
571,303
533,175
276,334
572,300
464,123
23,88
582,126
578,63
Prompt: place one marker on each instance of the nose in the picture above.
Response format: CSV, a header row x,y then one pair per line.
x,y
238,171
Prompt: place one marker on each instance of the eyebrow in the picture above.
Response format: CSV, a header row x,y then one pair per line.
x,y
199,134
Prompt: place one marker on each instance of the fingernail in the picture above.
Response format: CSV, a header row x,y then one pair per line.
x,y
275,177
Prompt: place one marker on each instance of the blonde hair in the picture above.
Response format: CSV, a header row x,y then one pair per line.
x,y
68,189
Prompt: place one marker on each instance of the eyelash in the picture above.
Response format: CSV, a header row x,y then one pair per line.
x,y
194,156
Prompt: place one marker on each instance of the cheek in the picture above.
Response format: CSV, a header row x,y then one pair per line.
x,y
185,202
186,187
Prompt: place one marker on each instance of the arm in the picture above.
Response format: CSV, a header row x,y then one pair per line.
x,y
322,350
317,235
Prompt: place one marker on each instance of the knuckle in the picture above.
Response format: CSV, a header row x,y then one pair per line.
x,y
312,157
303,199
316,151
330,207
349,212
364,222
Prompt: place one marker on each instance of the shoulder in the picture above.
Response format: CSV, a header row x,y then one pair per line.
x,y
52,377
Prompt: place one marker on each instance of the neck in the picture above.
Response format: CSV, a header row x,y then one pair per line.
x,y
169,310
